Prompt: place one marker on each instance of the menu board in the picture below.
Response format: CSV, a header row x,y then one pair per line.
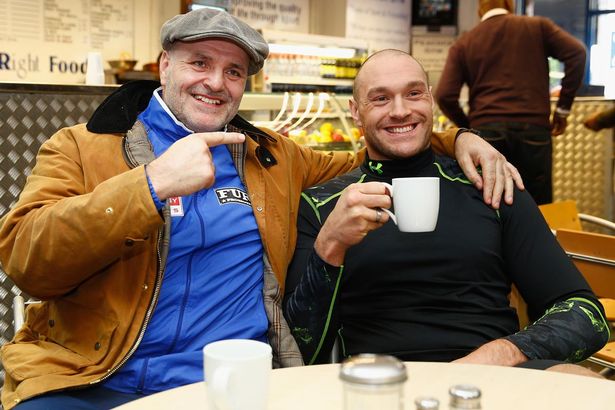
x,y
432,51
48,40
286,15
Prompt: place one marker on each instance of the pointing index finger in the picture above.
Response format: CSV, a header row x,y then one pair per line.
x,y
213,139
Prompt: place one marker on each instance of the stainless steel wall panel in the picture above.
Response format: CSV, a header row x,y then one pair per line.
x,y
583,164
29,115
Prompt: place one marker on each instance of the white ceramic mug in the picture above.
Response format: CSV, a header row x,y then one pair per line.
x,y
416,201
237,374
95,72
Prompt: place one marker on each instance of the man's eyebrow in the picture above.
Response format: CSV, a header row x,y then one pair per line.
x,y
377,90
202,56
240,67
416,83
383,89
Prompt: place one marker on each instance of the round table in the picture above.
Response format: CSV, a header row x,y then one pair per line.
x,y
318,387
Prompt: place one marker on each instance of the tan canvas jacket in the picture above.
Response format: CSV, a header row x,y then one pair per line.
x,y
86,238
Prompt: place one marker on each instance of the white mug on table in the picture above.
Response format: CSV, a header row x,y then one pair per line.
x,y
237,374
416,201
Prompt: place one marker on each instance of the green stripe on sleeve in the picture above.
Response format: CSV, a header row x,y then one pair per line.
x,y
329,314
591,317
314,207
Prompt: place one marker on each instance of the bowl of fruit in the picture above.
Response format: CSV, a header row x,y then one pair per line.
x,y
327,137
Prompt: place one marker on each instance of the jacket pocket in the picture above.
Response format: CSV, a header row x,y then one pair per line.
x,y
80,329
34,358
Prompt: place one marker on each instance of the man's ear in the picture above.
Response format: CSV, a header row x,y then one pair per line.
x,y
163,66
354,111
433,101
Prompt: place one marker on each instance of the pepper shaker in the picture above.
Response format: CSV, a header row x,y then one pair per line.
x,y
464,396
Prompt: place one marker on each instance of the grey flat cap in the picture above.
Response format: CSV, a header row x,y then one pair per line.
x,y
209,23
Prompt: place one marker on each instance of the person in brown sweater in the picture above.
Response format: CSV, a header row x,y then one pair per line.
x,y
503,60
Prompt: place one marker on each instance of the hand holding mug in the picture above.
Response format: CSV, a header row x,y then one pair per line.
x,y
357,212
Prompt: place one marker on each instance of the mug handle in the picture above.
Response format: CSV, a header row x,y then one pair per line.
x,y
389,188
219,387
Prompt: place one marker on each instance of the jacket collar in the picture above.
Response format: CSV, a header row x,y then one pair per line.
x,y
118,112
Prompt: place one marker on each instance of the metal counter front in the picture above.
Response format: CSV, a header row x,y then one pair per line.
x,y
29,114
584,162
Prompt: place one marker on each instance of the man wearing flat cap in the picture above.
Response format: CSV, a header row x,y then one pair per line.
x,y
163,224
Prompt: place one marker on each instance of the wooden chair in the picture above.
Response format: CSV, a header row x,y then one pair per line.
x,y
565,215
562,215
593,254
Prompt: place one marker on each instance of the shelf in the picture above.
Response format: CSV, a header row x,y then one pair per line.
x,y
263,108
273,102
310,81
288,37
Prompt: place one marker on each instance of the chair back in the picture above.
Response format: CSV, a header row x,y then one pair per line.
x,y
594,256
561,215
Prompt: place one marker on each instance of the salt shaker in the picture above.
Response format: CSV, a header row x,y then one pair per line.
x,y
373,381
464,396
427,403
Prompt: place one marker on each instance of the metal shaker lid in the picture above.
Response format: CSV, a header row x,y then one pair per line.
x,y
427,403
373,369
464,396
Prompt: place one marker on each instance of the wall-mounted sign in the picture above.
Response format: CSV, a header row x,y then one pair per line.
x,y
432,50
286,15
48,40
381,23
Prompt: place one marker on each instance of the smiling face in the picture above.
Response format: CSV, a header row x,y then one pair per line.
x,y
203,82
393,103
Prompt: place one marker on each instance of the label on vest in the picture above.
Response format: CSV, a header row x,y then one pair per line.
x,y
176,207
232,196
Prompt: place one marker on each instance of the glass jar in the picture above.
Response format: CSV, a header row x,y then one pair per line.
x,y
464,396
373,381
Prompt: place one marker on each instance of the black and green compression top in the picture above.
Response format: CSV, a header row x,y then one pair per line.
x,y
439,295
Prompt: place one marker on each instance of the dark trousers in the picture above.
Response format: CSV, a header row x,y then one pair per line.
x,y
92,398
528,147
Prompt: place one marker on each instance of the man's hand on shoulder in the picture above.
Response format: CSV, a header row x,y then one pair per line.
x,y
498,175
356,213
187,166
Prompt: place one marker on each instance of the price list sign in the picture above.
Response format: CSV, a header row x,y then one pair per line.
x,y
48,40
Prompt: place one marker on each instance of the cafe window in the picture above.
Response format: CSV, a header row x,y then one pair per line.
x,y
601,43
593,23
570,16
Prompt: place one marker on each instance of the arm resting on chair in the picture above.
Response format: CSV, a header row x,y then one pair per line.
x,y
571,330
